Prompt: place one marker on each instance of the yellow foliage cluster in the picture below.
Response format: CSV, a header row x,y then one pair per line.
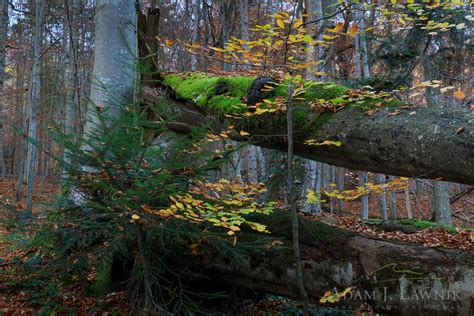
x,y
221,204
349,195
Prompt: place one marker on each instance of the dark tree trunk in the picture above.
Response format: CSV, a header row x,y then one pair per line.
x,y
393,277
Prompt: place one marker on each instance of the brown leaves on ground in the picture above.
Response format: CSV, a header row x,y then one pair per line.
x,y
439,237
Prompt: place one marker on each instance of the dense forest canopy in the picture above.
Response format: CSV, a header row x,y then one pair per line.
x,y
236,156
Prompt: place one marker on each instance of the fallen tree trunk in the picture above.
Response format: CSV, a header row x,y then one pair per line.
x,y
394,278
394,139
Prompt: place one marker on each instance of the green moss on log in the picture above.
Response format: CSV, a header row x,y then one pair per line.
x,y
217,93
311,231
227,95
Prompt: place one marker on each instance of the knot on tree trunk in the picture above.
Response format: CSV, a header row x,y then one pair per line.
x,y
261,88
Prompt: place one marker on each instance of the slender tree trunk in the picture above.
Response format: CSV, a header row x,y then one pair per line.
x,y
32,107
3,38
332,177
244,19
382,198
292,200
393,203
20,161
195,34
244,24
340,182
441,202
358,65
72,74
363,44
207,31
225,15
408,202
313,182
252,159
360,43
364,177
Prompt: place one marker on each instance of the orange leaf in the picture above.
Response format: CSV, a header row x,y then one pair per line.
x,y
337,28
459,95
353,30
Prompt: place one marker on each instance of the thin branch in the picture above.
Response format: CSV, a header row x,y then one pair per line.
x,y
328,16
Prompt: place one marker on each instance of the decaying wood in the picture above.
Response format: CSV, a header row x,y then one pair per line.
x,y
395,278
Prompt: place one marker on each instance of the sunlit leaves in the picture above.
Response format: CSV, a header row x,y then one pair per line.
x,y
356,193
333,297
280,23
220,204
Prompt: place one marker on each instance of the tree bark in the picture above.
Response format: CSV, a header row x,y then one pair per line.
x,y
3,39
115,54
32,107
393,277
425,145
441,202
72,74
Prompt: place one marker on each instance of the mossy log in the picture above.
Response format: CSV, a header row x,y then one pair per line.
x,y
396,139
395,278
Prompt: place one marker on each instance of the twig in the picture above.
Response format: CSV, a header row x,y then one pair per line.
x,y
328,16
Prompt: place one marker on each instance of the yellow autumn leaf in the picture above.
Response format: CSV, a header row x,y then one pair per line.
x,y
328,37
280,23
331,142
298,23
135,217
243,133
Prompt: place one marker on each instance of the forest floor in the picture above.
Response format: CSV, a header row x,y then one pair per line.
x,y
15,301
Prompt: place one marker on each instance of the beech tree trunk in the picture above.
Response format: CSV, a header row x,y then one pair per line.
x,y
72,73
3,40
115,54
32,106
425,145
